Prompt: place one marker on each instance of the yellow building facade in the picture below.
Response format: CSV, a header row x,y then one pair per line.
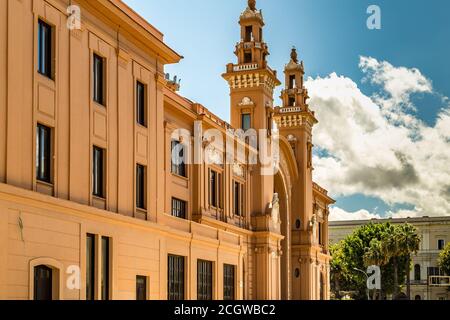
x,y
92,205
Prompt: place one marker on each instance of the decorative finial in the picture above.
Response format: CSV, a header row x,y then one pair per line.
x,y
252,5
294,55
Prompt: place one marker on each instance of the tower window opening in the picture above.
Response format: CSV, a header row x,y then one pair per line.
x,y
248,33
291,102
292,82
260,34
247,57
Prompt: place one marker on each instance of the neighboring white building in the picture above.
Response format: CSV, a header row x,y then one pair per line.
x,y
434,234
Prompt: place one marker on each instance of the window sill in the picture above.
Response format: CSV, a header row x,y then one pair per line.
x,y
44,188
141,214
98,202
180,177
99,104
44,77
141,126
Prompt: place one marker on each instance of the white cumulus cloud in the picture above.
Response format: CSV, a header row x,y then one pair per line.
x,y
376,146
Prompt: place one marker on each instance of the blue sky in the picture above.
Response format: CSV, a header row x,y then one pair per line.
x,y
330,36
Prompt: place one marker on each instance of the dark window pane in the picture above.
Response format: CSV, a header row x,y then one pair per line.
x,y
320,233
43,283
98,172
140,187
291,101
228,282
417,275
178,166
45,49
141,288
237,199
90,267
212,188
178,208
98,83
140,104
247,57
246,122
219,191
43,153
175,283
204,280
105,268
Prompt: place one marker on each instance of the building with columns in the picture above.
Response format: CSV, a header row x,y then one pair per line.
x,y
434,233
92,204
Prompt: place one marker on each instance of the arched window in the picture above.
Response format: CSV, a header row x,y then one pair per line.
x,y
418,297
43,283
417,276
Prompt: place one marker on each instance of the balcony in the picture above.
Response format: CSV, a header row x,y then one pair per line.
x,y
245,67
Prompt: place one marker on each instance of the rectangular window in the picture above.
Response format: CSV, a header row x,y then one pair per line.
x,y
43,153
228,282
45,49
246,122
98,172
141,288
105,267
441,244
215,189
435,271
212,188
238,199
141,105
178,161
175,283
320,228
90,267
141,187
179,208
204,280
99,80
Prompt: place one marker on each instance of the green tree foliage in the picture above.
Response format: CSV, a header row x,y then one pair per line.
x,y
444,259
381,244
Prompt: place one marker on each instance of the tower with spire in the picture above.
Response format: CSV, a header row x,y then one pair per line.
x,y
251,80
295,122
288,251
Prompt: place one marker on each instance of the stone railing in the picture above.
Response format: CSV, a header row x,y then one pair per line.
x,y
245,67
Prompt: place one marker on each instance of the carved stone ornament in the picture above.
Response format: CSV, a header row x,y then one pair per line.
x,y
214,156
238,170
246,101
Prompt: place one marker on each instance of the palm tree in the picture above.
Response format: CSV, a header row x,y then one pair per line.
x,y
391,249
374,255
409,244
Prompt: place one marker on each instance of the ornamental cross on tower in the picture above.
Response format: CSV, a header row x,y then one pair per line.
x,y
252,5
